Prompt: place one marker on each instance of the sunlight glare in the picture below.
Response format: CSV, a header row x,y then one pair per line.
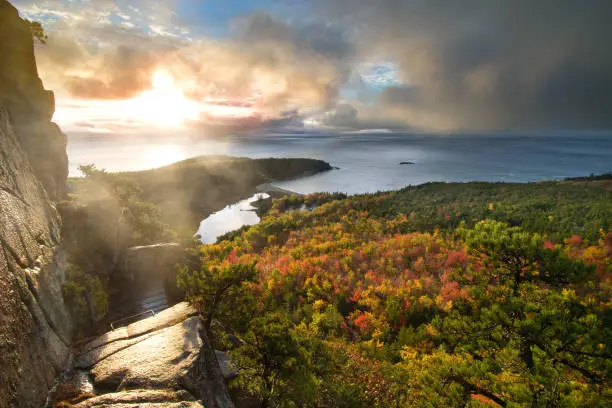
x,y
165,105
161,80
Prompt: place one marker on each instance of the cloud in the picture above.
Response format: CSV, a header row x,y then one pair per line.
x,y
284,66
489,64
104,49
474,64
123,73
113,52
114,70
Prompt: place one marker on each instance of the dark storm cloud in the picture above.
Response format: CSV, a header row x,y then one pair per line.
x,y
316,38
490,63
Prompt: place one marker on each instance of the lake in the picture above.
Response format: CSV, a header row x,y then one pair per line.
x,y
230,218
370,162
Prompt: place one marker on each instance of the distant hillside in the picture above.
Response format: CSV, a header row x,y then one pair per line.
x,y
555,209
188,191
592,177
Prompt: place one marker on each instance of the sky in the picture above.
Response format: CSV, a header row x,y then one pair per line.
x,y
216,66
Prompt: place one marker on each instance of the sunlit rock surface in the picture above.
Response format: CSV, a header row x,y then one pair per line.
x,y
155,353
142,398
158,361
124,337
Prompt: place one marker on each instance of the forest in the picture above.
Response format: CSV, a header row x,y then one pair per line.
x,y
440,295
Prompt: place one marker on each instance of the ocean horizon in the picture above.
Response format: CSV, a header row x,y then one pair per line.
x,y
369,162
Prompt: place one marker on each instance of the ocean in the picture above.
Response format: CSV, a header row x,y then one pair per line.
x,y
369,162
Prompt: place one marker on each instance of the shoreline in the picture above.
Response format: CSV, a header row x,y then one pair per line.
x,y
275,191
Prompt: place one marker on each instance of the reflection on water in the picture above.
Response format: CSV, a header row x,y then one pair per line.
x,y
229,219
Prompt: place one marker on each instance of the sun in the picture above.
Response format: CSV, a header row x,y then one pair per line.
x,y
165,105
162,80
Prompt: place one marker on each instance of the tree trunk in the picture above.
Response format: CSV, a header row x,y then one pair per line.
x,y
474,389
526,354
90,308
210,377
119,246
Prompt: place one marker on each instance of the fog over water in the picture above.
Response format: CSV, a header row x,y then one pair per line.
x,y
370,162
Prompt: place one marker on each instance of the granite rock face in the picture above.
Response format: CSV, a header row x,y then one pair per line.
x,y
35,327
157,353
30,106
149,262
155,265
144,364
142,398
158,361
121,338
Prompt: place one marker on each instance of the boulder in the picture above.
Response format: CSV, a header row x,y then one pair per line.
x,y
124,337
155,353
227,369
73,386
146,280
152,262
158,361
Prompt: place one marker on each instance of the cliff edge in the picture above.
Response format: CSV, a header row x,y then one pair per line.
x,y
35,327
29,105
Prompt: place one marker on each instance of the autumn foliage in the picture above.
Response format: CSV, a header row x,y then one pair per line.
x,y
386,307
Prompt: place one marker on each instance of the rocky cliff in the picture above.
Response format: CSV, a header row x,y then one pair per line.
x,y
29,105
35,328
